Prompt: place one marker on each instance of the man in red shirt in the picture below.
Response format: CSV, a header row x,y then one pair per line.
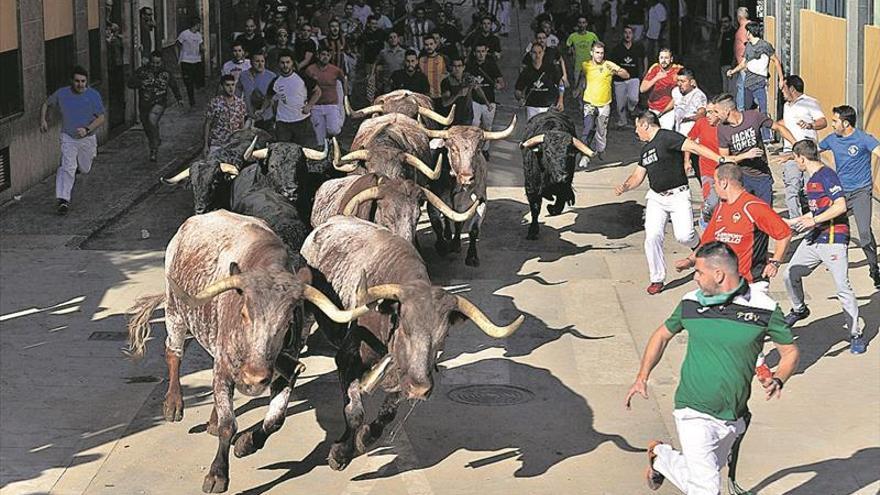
x,y
659,81
705,132
745,223
327,118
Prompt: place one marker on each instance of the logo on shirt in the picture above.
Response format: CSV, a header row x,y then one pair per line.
x,y
727,237
835,189
736,217
744,139
649,157
539,84
853,150
746,316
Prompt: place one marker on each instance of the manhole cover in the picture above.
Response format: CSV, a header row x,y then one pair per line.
x,y
490,395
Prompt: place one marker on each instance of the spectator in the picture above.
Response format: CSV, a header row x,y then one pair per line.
x,y
579,45
361,12
295,95
756,65
153,82
630,56
433,65
411,77
251,39
459,88
724,46
688,101
82,112
537,85
304,48
372,41
595,80
634,16
450,37
657,20
417,28
853,149
485,36
659,81
190,47
326,118
282,43
488,77
235,66
148,33
253,86
390,60
226,114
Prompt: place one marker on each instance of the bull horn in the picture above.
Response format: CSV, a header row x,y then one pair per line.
x,y
482,321
582,146
208,293
436,117
533,141
368,194
347,105
228,168
366,110
177,178
316,155
447,211
384,291
249,152
374,376
337,153
323,303
419,165
437,134
352,157
495,135
260,154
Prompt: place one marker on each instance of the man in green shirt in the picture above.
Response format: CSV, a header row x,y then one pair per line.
x,y
579,45
726,322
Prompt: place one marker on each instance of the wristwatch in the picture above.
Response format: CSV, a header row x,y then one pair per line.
x,y
722,160
778,382
775,263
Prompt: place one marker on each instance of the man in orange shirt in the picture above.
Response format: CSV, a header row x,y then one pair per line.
x,y
745,223
659,81
705,132
433,66
739,52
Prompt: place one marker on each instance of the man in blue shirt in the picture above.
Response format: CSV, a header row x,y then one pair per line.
x,y
81,114
253,86
852,149
825,243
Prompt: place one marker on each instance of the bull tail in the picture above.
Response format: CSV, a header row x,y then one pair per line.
x,y
139,324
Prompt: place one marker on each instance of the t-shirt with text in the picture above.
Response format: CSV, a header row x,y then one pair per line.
x,y
745,136
822,189
664,161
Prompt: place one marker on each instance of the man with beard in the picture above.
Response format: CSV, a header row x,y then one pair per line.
x,y
460,88
659,81
551,53
251,40
688,101
153,82
253,85
537,86
484,36
803,116
488,78
410,77
630,56
326,119
295,96
282,43
580,43
304,48
337,44
595,82
433,65
226,114
390,60
450,37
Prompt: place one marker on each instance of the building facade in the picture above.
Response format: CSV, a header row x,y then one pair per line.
x,y
41,41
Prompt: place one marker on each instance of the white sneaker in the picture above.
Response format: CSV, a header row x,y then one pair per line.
x,y
584,163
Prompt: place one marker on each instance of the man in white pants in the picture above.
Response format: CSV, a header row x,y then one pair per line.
x,y
82,112
662,161
488,78
727,321
326,119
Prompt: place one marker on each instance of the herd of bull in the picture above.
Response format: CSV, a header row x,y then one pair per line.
x,y
284,233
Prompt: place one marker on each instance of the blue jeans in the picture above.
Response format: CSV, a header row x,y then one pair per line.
x,y
740,86
759,185
758,96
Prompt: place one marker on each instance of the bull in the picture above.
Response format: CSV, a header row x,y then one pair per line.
x,y
549,154
396,346
402,101
392,203
466,184
230,285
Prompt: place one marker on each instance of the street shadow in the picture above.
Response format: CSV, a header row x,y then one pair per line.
x,y
831,475
553,424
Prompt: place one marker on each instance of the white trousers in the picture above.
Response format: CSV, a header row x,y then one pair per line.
x,y
483,118
326,122
667,121
532,111
76,154
658,210
705,445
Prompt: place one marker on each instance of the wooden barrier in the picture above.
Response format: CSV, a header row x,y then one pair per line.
x,y
871,118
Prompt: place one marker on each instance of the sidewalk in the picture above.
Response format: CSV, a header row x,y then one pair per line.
x,y
120,176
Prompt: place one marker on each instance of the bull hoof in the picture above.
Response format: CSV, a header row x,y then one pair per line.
x,y
245,445
472,260
215,483
441,247
172,408
556,208
533,232
364,438
455,245
339,457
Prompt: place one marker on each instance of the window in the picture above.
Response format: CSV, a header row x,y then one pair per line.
x,y
60,59
12,97
836,8
94,56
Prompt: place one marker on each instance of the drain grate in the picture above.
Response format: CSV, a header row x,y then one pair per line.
x,y
490,395
108,336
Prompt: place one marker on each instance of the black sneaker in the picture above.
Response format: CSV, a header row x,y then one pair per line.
x,y
875,276
63,207
795,316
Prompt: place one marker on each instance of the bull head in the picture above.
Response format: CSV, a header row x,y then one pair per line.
x,y
348,163
463,146
374,193
555,150
427,113
539,139
311,154
226,168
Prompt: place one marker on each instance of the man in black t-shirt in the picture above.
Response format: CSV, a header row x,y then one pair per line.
x,y
372,41
459,88
484,35
662,161
488,78
450,37
537,86
629,55
410,77
304,48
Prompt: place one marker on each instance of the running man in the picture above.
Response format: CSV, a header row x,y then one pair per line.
x,y
595,80
658,83
802,115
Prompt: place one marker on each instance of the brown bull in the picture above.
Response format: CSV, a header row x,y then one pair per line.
x,y
400,342
381,141
403,101
242,313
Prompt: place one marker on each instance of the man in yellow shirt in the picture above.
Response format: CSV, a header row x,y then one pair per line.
x,y
596,81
